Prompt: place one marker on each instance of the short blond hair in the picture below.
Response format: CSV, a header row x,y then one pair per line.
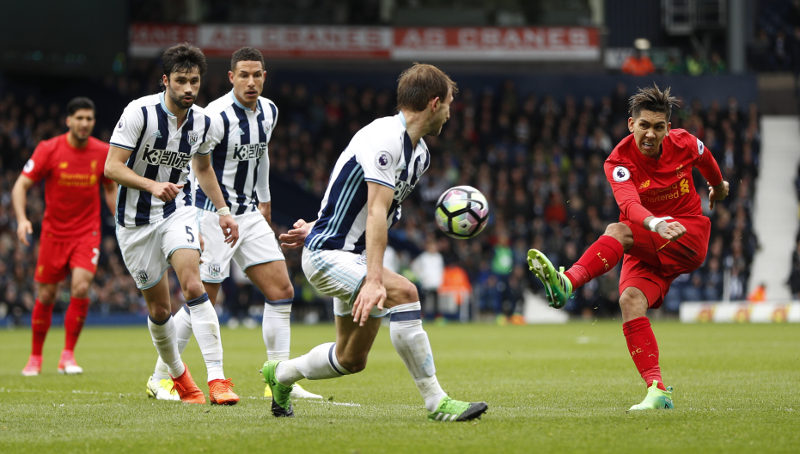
x,y
420,83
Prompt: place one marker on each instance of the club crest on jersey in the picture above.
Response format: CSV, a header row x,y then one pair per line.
x,y
214,269
383,160
621,174
192,137
141,277
265,126
167,158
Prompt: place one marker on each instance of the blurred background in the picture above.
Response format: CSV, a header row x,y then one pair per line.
x,y
543,101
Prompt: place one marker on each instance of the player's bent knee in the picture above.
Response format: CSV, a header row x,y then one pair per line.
x,y
80,290
193,289
159,314
621,233
354,364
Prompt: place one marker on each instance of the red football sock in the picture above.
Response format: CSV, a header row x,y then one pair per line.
x,y
601,256
73,320
644,349
41,318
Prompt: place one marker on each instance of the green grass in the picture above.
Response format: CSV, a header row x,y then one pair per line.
x,y
549,388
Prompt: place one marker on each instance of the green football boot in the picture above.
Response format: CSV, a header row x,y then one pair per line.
x,y
556,285
450,410
656,399
281,394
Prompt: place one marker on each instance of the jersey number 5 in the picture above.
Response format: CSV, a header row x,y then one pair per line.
x,y
191,235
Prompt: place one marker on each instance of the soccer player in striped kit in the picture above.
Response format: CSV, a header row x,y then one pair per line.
x,y
241,164
343,250
153,143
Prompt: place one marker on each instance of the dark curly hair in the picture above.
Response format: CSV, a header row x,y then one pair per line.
x,y
652,99
183,58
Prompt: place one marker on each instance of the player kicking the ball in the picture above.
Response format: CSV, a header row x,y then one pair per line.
x,y
72,165
151,148
662,232
343,253
241,164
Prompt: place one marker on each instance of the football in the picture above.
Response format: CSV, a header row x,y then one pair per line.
x,y
462,212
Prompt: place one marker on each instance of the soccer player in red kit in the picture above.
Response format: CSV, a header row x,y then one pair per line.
x,y
662,232
72,165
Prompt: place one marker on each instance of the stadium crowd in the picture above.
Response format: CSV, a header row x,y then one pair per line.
x,y
539,161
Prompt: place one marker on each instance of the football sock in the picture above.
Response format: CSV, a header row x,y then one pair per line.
x,y
320,363
41,318
73,321
411,343
205,326
601,256
163,334
183,332
643,349
276,329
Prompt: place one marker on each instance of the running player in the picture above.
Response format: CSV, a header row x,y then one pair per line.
x,y
343,253
151,148
241,164
72,166
662,232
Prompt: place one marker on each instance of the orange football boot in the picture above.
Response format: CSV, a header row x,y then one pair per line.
x,y
220,392
187,389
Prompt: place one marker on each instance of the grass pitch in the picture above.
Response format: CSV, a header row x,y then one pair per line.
x,y
550,389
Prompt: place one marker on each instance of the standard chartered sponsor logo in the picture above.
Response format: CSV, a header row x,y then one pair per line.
x,y
249,151
167,158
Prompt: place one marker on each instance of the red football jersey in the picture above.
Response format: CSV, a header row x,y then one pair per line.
x,y
644,186
72,178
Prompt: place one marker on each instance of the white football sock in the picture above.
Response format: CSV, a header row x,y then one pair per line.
x,y
411,343
183,332
276,329
318,364
163,335
205,325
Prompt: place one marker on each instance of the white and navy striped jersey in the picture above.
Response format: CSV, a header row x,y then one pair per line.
x,y
240,159
382,153
161,152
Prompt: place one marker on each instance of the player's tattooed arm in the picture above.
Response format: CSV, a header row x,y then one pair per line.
x,y
717,193
668,230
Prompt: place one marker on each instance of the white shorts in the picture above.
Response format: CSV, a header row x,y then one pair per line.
x,y
146,249
257,244
339,274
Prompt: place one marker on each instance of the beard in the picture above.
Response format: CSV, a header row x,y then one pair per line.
x,y
178,100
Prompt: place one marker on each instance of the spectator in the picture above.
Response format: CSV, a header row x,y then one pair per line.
x,y
429,269
639,64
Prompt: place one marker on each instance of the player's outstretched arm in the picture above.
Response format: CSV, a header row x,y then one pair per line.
x,y
208,181
718,192
373,293
19,198
296,237
117,170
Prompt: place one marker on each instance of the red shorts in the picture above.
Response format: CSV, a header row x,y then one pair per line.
x,y
653,262
57,258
